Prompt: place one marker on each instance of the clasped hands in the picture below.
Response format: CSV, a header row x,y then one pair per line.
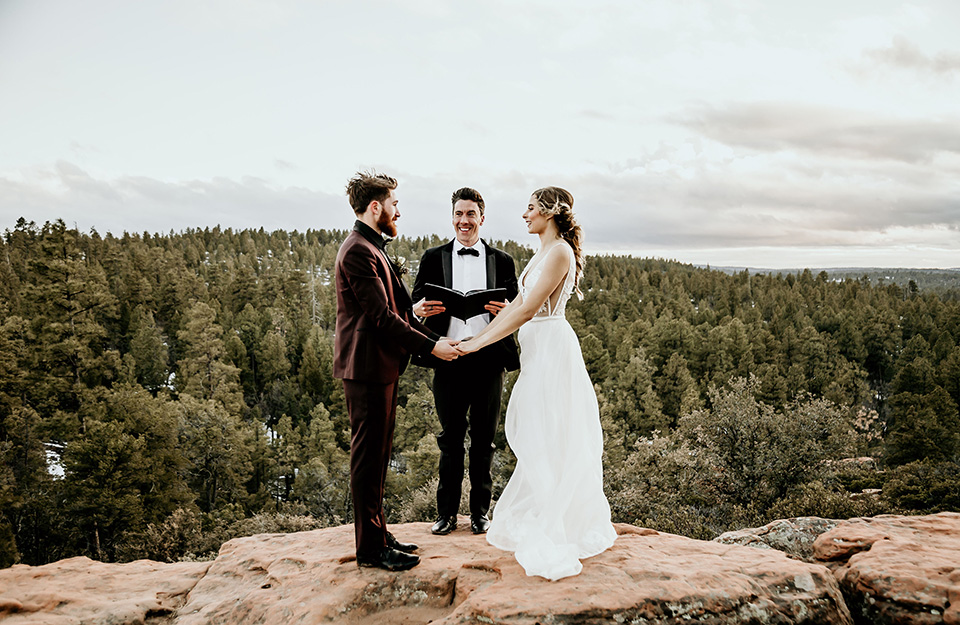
x,y
446,348
450,349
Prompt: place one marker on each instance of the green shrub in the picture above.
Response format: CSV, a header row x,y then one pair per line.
x,y
924,486
758,453
666,485
178,535
815,499
739,463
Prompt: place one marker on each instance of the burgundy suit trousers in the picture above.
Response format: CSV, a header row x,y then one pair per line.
x,y
373,415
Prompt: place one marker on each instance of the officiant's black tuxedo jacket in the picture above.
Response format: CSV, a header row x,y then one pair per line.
x,y
470,384
436,267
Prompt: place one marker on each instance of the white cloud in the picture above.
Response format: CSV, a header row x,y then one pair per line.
x,y
136,203
777,126
905,54
641,208
698,127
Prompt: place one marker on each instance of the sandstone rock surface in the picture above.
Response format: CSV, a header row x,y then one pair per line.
x,y
81,590
312,577
897,569
795,537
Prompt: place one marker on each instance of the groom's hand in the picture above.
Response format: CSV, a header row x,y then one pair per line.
x,y
425,308
446,349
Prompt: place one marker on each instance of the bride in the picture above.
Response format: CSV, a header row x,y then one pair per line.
x,y
553,512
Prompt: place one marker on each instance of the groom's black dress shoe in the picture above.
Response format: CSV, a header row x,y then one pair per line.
x,y
393,543
444,525
389,559
479,524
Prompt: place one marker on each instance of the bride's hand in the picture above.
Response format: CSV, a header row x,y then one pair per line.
x,y
467,346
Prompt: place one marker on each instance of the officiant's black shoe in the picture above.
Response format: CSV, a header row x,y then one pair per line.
x,y
389,559
479,524
444,525
393,543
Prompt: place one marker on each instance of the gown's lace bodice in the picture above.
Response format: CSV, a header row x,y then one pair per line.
x,y
529,277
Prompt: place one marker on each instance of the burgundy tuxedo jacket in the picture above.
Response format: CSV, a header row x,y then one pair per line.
x,y
376,329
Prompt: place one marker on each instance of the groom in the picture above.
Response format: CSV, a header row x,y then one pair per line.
x,y
375,335
472,384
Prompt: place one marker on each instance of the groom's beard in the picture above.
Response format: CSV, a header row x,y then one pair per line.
x,y
386,225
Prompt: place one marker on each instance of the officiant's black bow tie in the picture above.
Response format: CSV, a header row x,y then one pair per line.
x,y
467,251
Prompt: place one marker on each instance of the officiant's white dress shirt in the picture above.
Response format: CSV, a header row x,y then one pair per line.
x,y
469,274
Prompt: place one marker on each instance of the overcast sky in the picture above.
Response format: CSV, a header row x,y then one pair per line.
x,y
749,133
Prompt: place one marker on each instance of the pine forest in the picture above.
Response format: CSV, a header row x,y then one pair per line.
x,y
163,393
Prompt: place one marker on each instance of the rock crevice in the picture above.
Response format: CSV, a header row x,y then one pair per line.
x,y
897,569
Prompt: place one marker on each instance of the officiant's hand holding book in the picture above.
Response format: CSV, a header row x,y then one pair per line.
x,y
494,308
428,308
463,305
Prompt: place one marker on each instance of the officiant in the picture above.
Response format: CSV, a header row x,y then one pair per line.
x,y
467,392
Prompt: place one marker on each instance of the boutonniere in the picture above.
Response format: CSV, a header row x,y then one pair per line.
x,y
399,265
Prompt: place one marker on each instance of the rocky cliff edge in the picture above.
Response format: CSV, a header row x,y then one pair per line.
x,y
648,577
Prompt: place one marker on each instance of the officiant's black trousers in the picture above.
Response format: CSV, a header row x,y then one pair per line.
x,y
467,394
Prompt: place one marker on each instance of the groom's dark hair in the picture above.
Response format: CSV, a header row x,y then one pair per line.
x,y
368,186
467,193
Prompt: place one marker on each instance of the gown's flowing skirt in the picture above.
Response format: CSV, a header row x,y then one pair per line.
x,y
553,511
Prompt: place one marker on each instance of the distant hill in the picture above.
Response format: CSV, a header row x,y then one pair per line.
x,y
878,276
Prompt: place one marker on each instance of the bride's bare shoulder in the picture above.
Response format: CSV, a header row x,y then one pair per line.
x,y
561,250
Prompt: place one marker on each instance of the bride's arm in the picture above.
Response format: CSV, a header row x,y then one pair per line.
x,y
522,310
504,313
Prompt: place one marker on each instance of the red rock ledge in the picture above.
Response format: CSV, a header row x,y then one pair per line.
x,y
311,577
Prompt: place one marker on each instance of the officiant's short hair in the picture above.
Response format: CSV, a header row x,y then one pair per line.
x,y
466,193
368,186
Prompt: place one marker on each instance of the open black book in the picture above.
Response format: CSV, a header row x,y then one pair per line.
x,y
463,305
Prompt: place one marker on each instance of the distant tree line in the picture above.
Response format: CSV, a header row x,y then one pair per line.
x,y
160,394
944,281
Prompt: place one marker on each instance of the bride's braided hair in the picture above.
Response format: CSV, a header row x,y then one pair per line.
x,y
558,202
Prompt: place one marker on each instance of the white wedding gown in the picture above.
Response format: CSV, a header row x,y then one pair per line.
x,y
553,512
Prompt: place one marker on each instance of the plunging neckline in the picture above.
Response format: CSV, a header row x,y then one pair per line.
x,y
529,268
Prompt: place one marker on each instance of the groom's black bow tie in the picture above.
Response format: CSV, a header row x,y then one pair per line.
x,y
467,251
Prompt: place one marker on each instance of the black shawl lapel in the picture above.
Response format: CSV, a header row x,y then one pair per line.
x,y
446,259
491,266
